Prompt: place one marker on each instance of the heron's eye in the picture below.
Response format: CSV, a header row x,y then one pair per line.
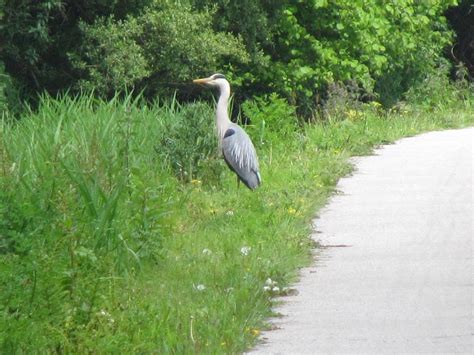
x,y
218,76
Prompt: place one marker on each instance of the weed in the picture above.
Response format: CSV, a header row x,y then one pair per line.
x,y
272,119
436,92
188,142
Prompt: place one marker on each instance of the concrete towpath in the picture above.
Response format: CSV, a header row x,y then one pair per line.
x,y
396,272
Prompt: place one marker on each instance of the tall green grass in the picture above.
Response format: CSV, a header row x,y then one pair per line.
x,y
122,231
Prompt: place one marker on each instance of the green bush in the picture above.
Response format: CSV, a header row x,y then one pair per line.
x,y
436,91
10,100
112,61
297,49
271,117
189,142
39,38
4,82
341,102
308,45
167,44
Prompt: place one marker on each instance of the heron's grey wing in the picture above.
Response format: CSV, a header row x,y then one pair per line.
x,y
240,155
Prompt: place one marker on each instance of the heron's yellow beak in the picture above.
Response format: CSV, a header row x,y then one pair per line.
x,y
201,81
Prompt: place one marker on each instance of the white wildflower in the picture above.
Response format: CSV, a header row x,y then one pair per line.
x,y
276,289
245,250
103,313
266,288
230,213
200,287
206,251
106,315
270,282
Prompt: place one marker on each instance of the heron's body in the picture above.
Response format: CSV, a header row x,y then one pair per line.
x,y
239,154
237,148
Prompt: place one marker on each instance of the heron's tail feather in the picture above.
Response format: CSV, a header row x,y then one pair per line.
x,y
252,180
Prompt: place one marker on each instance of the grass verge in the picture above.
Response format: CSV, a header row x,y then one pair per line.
x,y
103,249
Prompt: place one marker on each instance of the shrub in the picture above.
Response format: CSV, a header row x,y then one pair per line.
x,y
10,100
294,48
113,61
167,44
436,91
272,118
383,47
189,142
39,37
4,81
341,102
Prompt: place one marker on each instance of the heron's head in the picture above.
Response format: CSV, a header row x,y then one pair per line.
x,y
212,81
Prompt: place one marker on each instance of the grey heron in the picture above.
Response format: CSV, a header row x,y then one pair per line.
x,y
237,148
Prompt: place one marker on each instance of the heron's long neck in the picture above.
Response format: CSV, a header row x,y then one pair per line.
x,y
222,116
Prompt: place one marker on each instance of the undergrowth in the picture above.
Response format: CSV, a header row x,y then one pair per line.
x,y
121,230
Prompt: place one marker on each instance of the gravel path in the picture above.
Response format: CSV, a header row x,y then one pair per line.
x,y
396,275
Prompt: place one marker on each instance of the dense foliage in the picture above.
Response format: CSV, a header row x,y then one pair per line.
x,y
166,44
382,47
38,36
294,48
